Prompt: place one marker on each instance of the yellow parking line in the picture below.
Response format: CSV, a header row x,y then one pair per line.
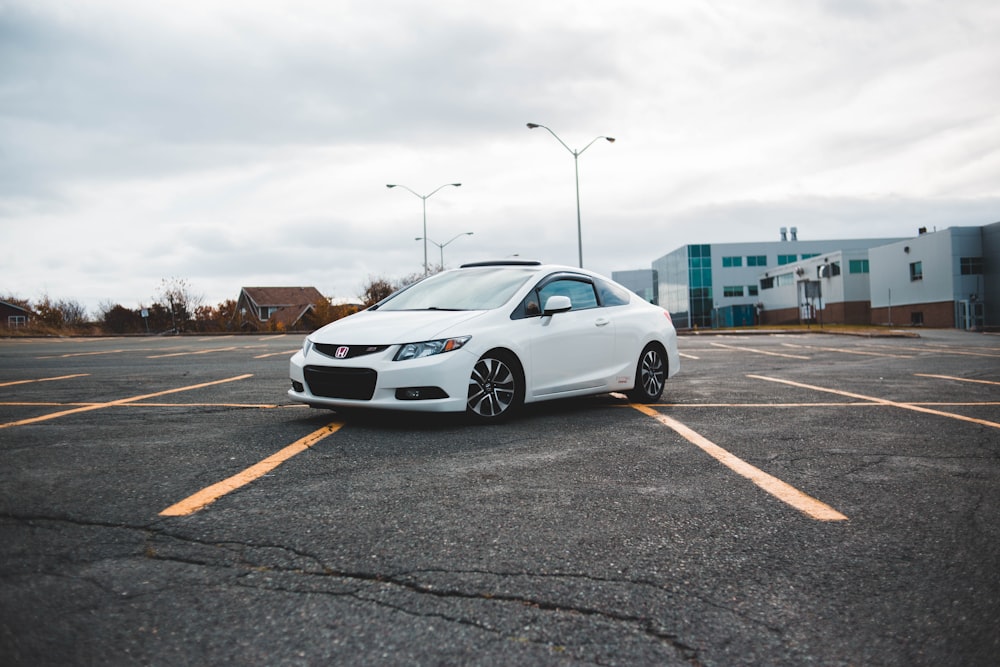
x,y
750,349
880,401
777,488
121,401
843,351
210,494
80,354
187,354
946,350
61,377
276,354
948,377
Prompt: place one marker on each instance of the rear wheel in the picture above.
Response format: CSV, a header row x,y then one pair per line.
x,y
650,375
496,387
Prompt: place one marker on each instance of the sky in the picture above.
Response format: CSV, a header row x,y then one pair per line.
x,y
232,143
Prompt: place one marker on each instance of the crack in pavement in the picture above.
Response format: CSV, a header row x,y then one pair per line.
x,y
247,557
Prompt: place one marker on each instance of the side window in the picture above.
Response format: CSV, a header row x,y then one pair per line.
x,y
612,295
580,293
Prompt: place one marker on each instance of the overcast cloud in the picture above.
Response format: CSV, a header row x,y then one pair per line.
x,y
233,143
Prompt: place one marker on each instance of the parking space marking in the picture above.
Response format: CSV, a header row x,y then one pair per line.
x,y
276,354
781,490
947,350
187,354
949,377
767,352
880,401
210,494
61,377
81,354
843,351
121,401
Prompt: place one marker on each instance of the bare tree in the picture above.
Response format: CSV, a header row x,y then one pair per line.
x,y
176,296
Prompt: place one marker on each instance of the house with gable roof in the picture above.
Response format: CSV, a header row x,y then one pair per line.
x,y
275,307
13,315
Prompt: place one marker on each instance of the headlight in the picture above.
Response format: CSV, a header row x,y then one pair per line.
x,y
306,346
429,348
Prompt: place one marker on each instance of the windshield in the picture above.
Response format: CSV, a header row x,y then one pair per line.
x,y
465,289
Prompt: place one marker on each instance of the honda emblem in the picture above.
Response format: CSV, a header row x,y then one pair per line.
x,y
342,351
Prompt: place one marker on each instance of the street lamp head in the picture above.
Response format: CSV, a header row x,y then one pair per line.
x,y
457,185
390,185
532,126
611,140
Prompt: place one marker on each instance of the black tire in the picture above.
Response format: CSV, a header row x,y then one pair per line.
x,y
650,375
496,387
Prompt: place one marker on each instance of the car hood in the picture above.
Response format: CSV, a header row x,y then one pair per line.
x,y
380,327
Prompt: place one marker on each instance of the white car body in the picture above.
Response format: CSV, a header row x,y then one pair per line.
x,y
576,351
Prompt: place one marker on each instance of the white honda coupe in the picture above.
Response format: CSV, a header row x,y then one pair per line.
x,y
485,339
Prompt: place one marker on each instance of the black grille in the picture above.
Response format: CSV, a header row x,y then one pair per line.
x,y
352,350
356,383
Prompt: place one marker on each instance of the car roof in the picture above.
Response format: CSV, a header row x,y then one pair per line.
x,y
538,267
502,262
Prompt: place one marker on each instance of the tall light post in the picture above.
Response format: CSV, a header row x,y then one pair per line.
x,y
424,198
576,166
442,245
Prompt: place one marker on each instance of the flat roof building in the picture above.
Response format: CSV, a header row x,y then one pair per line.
x,y
947,278
718,284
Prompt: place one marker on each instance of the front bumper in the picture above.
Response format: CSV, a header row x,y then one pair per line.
x,y
393,382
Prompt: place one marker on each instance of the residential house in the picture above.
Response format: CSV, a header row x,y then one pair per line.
x,y
275,307
13,315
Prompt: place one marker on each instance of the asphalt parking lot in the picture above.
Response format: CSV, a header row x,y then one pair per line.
x,y
795,499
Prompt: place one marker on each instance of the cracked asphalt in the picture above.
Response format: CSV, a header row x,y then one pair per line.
x,y
584,532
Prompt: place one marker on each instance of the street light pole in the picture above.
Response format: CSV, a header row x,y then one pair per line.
x,y
442,245
576,168
424,198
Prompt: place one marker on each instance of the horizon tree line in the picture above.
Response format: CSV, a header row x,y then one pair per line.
x,y
176,308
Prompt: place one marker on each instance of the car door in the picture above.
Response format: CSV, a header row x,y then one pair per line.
x,y
572,350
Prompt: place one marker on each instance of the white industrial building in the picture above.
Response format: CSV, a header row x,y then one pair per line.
x,y
831,287
948,278
718,284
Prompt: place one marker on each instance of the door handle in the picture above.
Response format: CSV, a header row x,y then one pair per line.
x,y
601,321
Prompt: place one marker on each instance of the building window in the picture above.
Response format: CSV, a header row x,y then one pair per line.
x,y
971,266
786,259
767,283
809,255
751,290
828,270
857,266
756,260
14,321
916,271
785,279
732,290
700,282
917,318
728,262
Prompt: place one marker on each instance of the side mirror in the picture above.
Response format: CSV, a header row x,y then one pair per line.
x,y
557,304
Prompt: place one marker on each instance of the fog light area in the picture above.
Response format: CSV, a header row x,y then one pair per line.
x,y
419,393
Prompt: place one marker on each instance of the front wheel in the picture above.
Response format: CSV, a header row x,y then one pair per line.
x,y
650,375
496,387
